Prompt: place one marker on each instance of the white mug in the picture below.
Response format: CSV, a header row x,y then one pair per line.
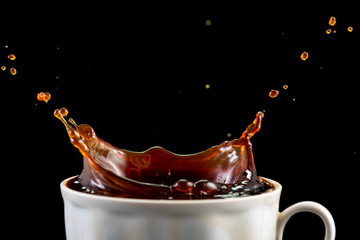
x,y
256,217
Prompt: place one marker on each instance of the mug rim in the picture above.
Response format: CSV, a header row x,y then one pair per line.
x,y
92,197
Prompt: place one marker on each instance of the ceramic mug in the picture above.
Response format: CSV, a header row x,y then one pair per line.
x,y
94,217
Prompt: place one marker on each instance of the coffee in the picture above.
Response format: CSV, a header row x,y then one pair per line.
x,y
223,171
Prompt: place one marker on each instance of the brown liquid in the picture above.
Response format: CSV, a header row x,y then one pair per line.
x,y
225,170
304,56
12,57
41,96
274,93
13,71
332,21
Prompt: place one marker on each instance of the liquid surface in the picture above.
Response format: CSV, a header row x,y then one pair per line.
x,y
222,171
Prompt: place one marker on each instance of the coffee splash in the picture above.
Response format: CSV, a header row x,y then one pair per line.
x,y
225,170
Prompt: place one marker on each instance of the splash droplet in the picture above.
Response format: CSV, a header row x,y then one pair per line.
x,y
13,71
12,57
332,21
273,93
304,56
41,96
64,112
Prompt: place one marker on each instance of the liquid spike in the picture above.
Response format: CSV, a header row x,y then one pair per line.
x,y
72,121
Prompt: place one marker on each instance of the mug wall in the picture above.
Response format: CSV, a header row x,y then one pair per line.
x,y
96,217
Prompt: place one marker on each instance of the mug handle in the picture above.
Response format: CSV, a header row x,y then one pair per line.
x,y
312,207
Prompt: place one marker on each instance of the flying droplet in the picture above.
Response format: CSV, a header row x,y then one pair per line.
x,y
207,86
208,22
3,68
328,31
332,21
41,96
273,93
350,28
12,57
13,71
285,86
64,112
304,56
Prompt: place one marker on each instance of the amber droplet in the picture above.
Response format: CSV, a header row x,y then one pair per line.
x,y
273,93
332,21
304,56
350,29
184,186
64,112
47,96
13,71
285,87
328,31
12,57
3,68
41,96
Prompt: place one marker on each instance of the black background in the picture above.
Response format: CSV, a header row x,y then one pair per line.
x,y
137,74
